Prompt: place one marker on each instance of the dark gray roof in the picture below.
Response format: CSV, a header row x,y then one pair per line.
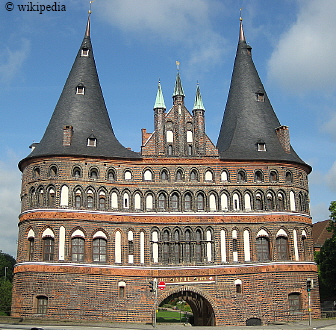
x,y
87,114
247,121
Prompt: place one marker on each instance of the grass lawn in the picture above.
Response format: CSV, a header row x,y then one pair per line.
x,y
170,316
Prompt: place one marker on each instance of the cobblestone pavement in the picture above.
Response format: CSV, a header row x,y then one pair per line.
x,y
326,324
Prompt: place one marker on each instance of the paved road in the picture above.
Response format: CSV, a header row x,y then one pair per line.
x,y
324,324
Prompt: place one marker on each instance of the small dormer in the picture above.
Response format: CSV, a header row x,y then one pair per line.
x,y
80,89
92,141
85,51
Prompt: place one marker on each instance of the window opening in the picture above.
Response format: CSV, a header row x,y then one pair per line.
x,y
77,249
262,245
48,249
42,305
99,250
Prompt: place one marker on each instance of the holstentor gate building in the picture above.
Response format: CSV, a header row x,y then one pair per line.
x,y
226,226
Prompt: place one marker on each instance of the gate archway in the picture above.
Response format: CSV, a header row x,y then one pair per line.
x,y
202,309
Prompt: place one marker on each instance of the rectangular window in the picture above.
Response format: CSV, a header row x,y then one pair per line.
x,y
48,249
42,305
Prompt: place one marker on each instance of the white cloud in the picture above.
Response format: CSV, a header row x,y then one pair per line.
x,y
331,178
330,125
320,212
305,58
186,23
10,183
12,60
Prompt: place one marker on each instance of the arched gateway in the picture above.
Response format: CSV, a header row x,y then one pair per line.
x,y
201,305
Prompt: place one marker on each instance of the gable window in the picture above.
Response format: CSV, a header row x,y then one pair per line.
x,y
261,146
128,175
53,171
111,175
76,172
80,90
148,176
289,177
258,177
94,173
241,176
260,97
85,52
273,176
92,141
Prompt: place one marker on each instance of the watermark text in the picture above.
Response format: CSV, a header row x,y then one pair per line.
x,y
35,7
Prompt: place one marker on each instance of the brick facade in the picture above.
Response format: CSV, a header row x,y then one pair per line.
x,y
231,236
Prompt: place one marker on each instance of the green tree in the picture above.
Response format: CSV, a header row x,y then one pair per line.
x,y
326,260
7,263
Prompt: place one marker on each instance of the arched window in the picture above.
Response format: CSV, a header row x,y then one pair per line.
x,y
36,172
212,202
175,202
169,136
199,246
281,201
32,197
208,176
235,245
93,173
137,201
102,200
165,247
99,251
130,247
176,246
114,200
241,176
289,177
200,202
149,202
270,201
51,197
187,246
40,196
48,248
179,175
76,172
128,175
148,175
187,202
292,201
126,201
258,176
155,246
164,175
224,202
236,202
31,244
111,176
117,248
238,285
53,171
224,176
193,175
77,249
273,176
162,202
263,248
89,199
259,205
282,247
247,202
64,199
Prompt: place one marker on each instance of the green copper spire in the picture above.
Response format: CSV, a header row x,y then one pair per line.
x,y
178,90
159,101
198,105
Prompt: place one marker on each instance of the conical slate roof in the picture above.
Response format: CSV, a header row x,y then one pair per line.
x,y
249,119
84,112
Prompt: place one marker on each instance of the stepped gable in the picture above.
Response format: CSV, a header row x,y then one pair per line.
x,y
80,124
250,128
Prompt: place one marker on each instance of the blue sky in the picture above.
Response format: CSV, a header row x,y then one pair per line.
x,y
137,42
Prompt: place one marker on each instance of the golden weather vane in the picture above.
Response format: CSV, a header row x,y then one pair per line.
x,y
241,18
91,2
178,65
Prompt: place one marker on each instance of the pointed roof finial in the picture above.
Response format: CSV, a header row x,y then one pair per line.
x,y
159,101
198,105
241,30
178,90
